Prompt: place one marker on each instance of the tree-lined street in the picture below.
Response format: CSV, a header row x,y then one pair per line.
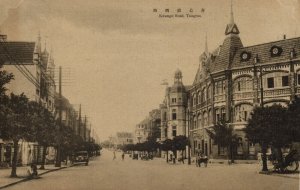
x,y
104,173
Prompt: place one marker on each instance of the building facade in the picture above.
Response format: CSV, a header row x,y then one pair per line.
x,y
33,71
232,80
173,109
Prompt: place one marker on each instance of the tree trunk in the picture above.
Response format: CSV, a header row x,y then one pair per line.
x,y
228,154
14,161
167,157
280,159
232,153
264,157
43,158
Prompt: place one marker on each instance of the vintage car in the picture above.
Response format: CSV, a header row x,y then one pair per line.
x,y
81,157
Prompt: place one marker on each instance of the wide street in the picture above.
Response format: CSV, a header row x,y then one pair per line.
x,y
103,173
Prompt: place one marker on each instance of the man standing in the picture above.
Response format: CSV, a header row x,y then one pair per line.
x,y
114,155
123,155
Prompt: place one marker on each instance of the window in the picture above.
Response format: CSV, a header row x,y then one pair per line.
x,y
174,131
217,115
199,121
219,87
251,148
174,117
165,116
298,76
242,112
209,92
223,114
173,100
270,82
285,80
240,146
243,84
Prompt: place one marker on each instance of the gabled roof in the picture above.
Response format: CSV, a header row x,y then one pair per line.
x,y
16,52
263,51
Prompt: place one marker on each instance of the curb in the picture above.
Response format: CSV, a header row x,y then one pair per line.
x,y
28,179
280,175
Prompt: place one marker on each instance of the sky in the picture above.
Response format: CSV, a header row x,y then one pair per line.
x,y
116,53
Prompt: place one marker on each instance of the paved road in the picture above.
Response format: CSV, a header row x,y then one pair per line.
x,y
105,174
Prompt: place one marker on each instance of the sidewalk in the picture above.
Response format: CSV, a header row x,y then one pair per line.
x,y
6,181
243,164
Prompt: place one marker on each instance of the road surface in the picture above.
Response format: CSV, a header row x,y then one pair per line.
x,y
104,173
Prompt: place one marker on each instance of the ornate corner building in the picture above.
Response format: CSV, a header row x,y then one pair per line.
x,y
229,83
232,80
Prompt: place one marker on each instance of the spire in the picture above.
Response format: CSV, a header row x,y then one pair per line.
x,y
231,28
45,49
231,14
38,47
206,46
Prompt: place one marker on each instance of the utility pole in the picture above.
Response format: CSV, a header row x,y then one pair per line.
x,y
79,120
90,132
261,88
84,129
189,145
58,154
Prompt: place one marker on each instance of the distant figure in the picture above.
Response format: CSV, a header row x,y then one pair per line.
x,y
114,155
123,155
202,159
33,171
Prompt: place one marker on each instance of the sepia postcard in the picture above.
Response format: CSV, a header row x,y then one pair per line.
x,y
149,94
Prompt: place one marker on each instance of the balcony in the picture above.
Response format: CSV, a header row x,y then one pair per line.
x,y
273,93
219,97
243,95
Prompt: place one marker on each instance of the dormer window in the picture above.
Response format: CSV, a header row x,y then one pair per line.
x,y
275,51
245,56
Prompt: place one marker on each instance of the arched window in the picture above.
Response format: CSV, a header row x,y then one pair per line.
x,y
199,120
203,95
195,122
209,92
199,97
243,84
239,146
205,121
209,117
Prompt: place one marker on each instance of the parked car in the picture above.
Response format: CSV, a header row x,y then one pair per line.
x,y
81,157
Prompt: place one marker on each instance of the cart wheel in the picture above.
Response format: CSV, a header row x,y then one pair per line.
x,y
293,166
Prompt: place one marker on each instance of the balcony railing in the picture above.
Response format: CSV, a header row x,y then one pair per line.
x,y
219,97
277,92
242,95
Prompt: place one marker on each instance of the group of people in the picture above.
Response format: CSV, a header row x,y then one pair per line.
x,y
115,157
201,158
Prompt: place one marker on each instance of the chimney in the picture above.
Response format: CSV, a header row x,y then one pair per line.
x,y
284,36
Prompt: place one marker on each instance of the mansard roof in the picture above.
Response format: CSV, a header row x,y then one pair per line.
x,y
264,54
222,61
17,52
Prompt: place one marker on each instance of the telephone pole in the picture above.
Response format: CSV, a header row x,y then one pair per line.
x,y
58,154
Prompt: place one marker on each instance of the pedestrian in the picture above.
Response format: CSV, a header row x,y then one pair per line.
x,y
123,155
114,155
33,173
